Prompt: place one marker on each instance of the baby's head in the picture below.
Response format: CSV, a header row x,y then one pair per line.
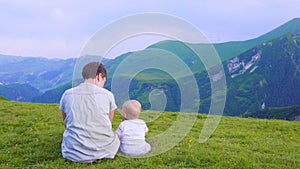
x,y
131,109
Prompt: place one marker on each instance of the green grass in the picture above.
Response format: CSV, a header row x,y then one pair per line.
x,y
31,135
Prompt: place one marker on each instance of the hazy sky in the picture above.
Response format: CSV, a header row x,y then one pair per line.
x,y
60,29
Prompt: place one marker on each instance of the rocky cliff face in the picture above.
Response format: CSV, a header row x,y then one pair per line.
x,y
265,76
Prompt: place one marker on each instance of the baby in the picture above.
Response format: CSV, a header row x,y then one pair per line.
x,y
132,131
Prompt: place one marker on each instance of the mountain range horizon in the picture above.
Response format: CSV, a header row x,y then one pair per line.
x,y
269,33
38,79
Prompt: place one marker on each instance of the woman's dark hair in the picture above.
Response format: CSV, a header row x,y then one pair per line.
x,y
102,70
89,71
92,69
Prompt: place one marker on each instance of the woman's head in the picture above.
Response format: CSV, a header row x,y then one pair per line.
x,y
95,71
131,109
89,71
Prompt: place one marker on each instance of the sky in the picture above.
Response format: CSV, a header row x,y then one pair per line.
x,y
61,29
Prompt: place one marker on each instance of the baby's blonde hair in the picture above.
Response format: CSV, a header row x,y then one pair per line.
x,y
132,109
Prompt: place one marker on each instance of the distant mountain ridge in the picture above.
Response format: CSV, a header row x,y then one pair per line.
x,y
29,78
261,73
228,50
52,95
41,73
19,92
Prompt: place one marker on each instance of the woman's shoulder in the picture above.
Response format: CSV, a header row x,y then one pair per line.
x,y
107,92
68,91
102,90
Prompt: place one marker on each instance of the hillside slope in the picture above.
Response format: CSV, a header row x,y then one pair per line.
x,y
41,73
53,95
228,50
265,76
19,92
261,73
33,134
285,113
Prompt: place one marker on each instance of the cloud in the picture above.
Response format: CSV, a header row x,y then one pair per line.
x,y
40,47
72,22
157,24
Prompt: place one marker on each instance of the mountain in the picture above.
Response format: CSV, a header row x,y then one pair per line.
x,y
30,78
19,92
265,76
291,26
228,50
41,73
6,59
3,98
52,95
284,113
261,73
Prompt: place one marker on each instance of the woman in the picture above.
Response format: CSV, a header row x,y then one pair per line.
x,y
87,112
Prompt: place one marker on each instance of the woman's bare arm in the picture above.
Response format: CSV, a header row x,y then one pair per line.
x,y
111,115
63,117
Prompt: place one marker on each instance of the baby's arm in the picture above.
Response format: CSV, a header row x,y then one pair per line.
x,y
120,131
146,130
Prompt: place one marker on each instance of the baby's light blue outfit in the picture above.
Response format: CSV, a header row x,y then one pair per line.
x,y
132,134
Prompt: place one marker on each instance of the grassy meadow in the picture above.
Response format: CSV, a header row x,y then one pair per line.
x,y
31,136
